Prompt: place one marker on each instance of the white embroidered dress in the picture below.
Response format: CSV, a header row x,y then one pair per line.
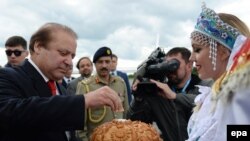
x,y
202,125
208,125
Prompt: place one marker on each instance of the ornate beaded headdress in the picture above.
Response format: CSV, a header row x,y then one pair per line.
x,y
210,29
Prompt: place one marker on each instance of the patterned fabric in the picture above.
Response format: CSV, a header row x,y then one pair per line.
x,y
211,25
234,100
240,40
202,125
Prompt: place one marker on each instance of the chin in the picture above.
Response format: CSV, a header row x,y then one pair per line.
x,y
203,77
59,77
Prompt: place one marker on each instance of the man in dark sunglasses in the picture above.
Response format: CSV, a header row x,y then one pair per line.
x,y
16,51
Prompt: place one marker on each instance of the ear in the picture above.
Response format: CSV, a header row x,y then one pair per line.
x,y
37,47
26,53
223,53
190,65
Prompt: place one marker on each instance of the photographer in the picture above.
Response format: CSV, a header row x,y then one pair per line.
x,y
172,112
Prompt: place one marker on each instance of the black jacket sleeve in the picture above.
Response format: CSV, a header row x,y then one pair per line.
x,y
23,105
140,110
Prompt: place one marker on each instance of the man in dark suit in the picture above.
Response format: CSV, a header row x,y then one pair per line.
x,y
28,111
67,78
123,75
16,50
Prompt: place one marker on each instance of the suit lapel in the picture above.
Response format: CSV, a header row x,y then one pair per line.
x,y
40,85
61,89
119,73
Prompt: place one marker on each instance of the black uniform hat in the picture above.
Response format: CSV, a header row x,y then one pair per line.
x,y
103,51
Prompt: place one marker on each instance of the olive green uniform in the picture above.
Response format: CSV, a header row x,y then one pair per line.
x,y
98,116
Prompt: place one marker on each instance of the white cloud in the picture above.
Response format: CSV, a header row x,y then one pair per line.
x,y
3,58
129,27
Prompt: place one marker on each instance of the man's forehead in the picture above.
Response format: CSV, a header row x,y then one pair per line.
x,y
14,47
172,56
85,61
104,58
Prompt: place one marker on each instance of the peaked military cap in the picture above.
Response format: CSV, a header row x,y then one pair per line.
x,y
103,51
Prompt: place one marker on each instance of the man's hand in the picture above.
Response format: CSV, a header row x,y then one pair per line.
x,y
166,91
134,86
103,96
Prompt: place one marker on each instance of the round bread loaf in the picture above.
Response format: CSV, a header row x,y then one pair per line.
x,y
125,130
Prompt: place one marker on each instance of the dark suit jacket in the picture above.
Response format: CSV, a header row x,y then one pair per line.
x,y
65,84
7,65
28,112
71,89
124,76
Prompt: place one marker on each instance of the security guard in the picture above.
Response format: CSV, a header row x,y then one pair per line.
x,y
95,117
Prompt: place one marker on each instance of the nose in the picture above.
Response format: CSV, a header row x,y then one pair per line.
x,y
104,64
192,57
68,61
12,55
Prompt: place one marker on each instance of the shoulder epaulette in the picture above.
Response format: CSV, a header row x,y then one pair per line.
x,y
117,78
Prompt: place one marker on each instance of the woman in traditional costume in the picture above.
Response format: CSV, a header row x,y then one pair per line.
x,y
217,38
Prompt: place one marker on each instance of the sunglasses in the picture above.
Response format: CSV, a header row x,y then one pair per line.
x,y
16,52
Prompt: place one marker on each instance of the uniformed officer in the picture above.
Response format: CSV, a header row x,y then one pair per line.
x,y
95,117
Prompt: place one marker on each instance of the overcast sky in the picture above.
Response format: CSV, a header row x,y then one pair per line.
x,y
129,27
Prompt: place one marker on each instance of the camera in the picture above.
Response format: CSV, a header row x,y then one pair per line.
x,y
154,67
